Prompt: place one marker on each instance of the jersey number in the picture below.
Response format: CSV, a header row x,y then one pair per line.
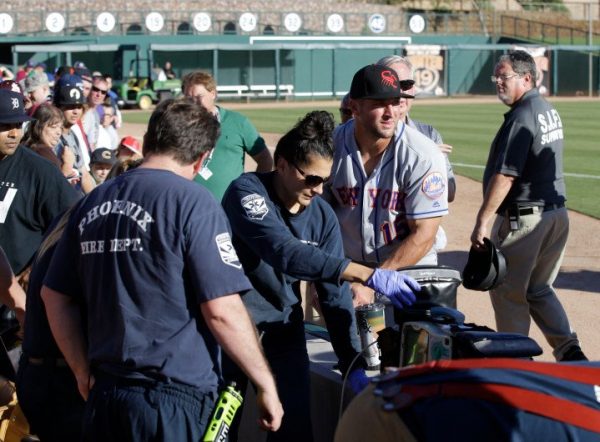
x,y
5,204
392,231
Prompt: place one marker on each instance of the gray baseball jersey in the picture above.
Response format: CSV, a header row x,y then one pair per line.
x,y
409,182
431,132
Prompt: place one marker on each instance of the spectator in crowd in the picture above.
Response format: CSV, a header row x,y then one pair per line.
x,y
68,97
46,387
171,294
391,201
113,99
524,200
238,137
345,111
43,135
284,233
107,134
102,161
32,190
129,148
37,90
168,70
25,70
92,116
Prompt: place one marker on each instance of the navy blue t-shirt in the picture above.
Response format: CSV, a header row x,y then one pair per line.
x,y
278,248
141,252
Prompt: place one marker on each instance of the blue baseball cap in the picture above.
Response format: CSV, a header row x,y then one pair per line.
x,y
12,109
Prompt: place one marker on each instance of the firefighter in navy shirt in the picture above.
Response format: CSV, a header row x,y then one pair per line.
x,y
148,259
285,233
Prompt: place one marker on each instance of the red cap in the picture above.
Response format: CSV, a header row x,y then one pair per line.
x,y
132,144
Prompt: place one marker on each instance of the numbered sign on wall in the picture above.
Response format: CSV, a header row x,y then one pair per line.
x,y
248,22
202,22
154,22
55,22
105,22
335,23
6,23
292,22
377,23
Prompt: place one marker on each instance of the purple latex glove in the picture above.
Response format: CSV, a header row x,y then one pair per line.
x,y
358,380
398,287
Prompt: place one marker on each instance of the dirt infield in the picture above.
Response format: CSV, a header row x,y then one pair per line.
x,y
578,283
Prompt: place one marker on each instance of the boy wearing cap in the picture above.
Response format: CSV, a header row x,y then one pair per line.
x,y
32,190
102,161
68,97
388,184
129,149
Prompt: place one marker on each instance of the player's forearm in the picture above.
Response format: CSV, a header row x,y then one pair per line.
x,y
416,245
412,249
230,324
64,317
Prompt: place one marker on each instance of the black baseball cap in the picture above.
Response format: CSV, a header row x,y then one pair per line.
x,y
102,155
12,109
68,92
377,83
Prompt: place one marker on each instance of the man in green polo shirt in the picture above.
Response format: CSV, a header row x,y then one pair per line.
x,y
238,137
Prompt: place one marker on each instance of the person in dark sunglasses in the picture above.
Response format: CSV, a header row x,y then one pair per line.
x,y
284,233
92,118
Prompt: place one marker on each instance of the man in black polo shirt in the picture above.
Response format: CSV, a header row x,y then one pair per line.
x,y
524,184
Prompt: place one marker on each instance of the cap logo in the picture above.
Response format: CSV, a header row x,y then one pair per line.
x,y
74,93
387,79
15,103
106,155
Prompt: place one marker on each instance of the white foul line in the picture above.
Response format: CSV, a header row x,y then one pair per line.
x,y
573,175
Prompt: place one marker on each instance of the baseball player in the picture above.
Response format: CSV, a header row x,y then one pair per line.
x,y
524,186
388,184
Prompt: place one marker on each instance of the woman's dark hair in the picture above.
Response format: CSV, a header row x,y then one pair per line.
x,y
181,128
45,115
312,135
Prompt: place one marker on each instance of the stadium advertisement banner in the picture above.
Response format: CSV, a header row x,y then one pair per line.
x,y
428,64
542,61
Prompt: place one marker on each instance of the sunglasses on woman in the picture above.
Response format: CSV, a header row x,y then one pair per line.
x,y
310,180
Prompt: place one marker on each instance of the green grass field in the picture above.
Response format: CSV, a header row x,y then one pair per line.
x,y
470,128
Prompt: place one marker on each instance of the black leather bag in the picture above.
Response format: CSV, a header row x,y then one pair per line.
x,y
439,285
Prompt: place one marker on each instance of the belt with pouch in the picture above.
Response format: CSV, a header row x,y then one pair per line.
x,y
516,210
